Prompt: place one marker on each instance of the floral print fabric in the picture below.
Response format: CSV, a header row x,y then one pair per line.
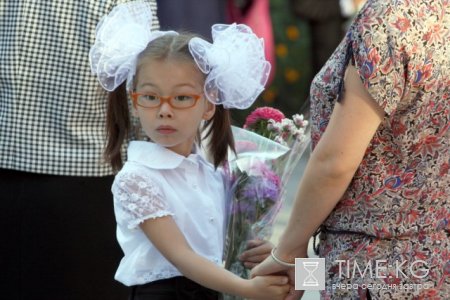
x,y
399,197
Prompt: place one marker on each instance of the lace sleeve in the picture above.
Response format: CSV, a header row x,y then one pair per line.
x,y
138,198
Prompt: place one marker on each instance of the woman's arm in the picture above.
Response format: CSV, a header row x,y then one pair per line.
x,y
332,165
169,240
330,169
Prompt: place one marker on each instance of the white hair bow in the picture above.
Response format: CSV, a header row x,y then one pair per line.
x,y
235,63
120,37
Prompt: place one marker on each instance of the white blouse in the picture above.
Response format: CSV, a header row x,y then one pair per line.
x,y
157,182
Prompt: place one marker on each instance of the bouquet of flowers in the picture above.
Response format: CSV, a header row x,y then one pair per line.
x,y
267,151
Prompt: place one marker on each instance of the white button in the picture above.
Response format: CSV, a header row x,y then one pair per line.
x,y
211,219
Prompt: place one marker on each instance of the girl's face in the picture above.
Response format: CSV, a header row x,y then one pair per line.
x,y
173,128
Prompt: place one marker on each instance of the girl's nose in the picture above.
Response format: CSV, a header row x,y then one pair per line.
x,y
165,111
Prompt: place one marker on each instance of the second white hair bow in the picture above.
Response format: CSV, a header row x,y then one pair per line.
x,y
235,63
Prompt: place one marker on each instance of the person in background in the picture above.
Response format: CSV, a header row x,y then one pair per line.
x,y
57,219
292,68
377,184
326,24
191,15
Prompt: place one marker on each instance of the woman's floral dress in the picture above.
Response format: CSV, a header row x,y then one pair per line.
x,y
389,234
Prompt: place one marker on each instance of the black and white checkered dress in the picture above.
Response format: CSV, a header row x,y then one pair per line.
x,y
52,109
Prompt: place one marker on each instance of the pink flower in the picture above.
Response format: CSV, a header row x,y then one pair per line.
x,y
263,113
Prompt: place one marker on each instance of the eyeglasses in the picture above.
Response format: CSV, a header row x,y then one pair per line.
x,y
151,100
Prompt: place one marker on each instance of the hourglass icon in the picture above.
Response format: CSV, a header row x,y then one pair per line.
x,y
310,267
310,274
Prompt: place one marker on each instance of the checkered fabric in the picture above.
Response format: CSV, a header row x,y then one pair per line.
x,y
52,109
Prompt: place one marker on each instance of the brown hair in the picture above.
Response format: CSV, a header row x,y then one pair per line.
x,y
118,118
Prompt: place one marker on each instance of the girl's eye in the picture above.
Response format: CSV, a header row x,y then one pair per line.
x,y
182,98
149,97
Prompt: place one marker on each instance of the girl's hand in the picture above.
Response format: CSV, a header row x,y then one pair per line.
x,y
257,251
268,287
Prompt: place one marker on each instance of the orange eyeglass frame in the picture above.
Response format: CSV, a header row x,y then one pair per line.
x,y
135,96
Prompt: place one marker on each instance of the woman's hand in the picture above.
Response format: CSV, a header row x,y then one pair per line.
x,y
257,251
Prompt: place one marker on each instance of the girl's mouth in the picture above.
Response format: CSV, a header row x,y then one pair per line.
x,y
165,129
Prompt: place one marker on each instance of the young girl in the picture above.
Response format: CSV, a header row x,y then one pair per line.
x,y
168,200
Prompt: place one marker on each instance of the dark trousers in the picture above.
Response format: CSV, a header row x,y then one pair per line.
x,y
57,238
177,288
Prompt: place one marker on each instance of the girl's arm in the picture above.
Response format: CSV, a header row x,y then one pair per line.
x,y
169,240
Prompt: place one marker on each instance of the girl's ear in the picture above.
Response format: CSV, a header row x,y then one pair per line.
x,y
210,110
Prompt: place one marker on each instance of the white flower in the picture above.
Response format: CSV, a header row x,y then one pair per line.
x,y
287,125
274,126
299,120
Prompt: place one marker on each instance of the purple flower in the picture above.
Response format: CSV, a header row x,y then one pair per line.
x,y
262,190
244,207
